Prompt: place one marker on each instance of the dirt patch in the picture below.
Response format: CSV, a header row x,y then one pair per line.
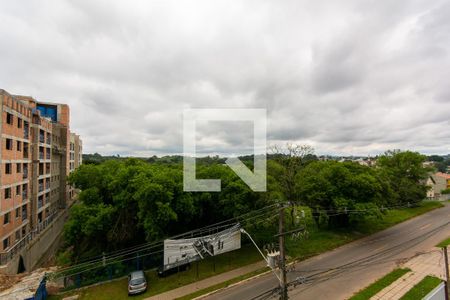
x,y
7,281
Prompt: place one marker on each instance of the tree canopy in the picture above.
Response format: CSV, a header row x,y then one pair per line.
x,y
125,202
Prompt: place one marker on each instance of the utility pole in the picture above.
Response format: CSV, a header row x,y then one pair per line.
x,y
447,278
283,284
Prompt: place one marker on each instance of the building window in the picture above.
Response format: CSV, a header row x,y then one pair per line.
x,y
17,235
24,213
6,218
25,150
25,171
41,152
19,123
41,136
19,146
8,168
17,190
5,243
9,144
9,118
7,193
17,212
24,191
18,167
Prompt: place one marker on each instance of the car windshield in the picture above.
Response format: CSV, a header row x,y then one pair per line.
x,y
137,281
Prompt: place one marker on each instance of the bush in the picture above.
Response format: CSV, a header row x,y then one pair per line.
x,y
445,192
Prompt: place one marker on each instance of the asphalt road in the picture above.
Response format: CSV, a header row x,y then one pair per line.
x,y
339,273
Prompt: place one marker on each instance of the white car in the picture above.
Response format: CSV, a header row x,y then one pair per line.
x,y
136,283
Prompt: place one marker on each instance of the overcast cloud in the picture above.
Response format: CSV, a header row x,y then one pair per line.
x,y
348,77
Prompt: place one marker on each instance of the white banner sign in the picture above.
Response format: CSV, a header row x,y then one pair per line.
x,y
183,251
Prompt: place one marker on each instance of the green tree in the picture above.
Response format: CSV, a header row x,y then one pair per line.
x,y
341,187
406,174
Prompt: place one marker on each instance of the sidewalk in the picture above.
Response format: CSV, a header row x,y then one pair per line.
x,y
429,263
205,283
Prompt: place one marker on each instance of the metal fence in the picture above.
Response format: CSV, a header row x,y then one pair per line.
x,y
100,271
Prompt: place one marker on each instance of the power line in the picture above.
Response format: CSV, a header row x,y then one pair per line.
x,y
192,232
244,218
325,274
374,258
204,229
148,246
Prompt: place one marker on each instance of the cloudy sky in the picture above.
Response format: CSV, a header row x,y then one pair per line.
x,y
348,77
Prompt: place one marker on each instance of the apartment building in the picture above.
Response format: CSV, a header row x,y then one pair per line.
x,y
38,153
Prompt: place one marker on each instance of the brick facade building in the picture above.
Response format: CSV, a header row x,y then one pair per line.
x,y
38,152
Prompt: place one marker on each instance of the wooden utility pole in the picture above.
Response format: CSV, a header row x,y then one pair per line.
x,y
283,283
447,278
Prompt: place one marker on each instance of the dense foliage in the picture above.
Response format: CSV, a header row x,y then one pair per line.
x,y
441,163
125,202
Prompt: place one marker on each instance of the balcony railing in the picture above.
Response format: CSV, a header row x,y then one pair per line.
x,y
9,254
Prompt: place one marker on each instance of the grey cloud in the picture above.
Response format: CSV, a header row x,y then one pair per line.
x,y
349,77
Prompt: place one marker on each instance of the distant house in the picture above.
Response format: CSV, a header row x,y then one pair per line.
x,y
367,161
437,182
444,180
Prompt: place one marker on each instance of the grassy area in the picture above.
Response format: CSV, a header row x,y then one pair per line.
x,y
422,289
444,243
396,216
319,241
117,289
380,284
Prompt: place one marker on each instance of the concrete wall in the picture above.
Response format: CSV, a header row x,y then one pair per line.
x,y
38,247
